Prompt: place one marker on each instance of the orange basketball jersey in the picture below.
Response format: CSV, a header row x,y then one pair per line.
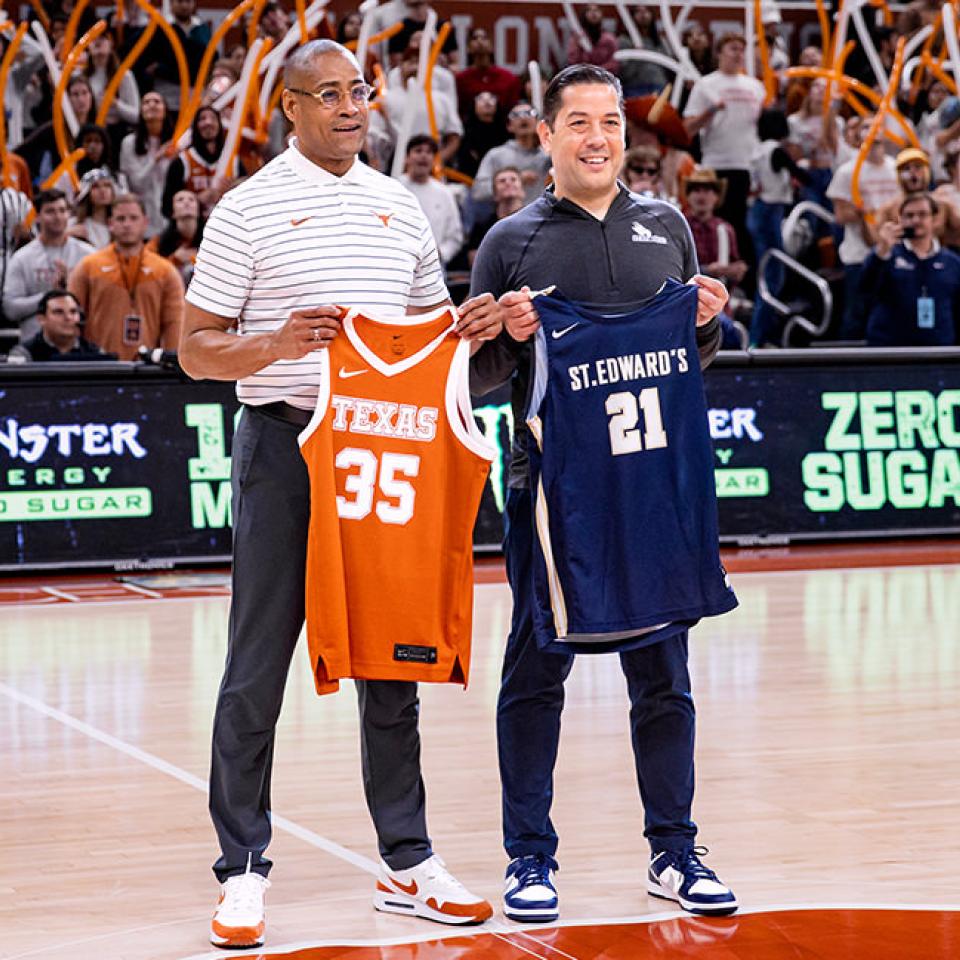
x,y
397,466
198,175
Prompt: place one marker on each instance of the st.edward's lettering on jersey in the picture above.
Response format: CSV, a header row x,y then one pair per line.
x,y
628,366
625,407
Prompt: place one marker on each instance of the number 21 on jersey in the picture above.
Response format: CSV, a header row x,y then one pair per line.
x,y
624,409
387,475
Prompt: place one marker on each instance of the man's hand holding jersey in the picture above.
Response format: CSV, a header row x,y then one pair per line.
x,y
712,297
520,318
305,331
481,318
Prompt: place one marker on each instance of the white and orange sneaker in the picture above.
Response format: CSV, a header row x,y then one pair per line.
x,y
429,890
238,921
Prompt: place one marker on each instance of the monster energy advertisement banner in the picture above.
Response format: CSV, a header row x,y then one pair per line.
x,y
135,471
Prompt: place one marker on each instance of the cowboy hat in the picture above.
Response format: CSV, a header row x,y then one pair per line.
x,y
705,177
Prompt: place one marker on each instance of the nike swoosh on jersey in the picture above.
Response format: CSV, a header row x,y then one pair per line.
x,y
106,269
346,374
297,222
557,334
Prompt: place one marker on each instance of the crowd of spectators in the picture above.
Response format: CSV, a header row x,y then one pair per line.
x,y
109,251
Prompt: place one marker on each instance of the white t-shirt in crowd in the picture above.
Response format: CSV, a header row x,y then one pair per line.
x,y
730,138
772,186
398,102
878,186
928,126
443,81
443,213
807,133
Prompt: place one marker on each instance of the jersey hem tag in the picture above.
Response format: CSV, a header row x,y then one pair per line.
x,y
408,652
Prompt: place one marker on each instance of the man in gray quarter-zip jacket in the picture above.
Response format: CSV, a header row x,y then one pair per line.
x,y
609,251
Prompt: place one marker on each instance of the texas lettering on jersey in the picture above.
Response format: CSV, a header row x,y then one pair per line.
x,y
384,418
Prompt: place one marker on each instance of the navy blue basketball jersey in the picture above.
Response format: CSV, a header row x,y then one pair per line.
x,y
626,551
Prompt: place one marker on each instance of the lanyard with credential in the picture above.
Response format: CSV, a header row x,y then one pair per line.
x,y
132,322
131,290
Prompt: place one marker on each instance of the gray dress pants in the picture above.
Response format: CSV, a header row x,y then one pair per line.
x,y
271,514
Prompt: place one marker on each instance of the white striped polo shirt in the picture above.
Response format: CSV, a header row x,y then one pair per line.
x,y
295,236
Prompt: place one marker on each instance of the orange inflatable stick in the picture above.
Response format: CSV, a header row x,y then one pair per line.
x,y
187,115
70,35
769,77
109,95
59,128
5,66
877,126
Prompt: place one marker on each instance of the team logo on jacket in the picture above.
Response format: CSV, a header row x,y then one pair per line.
x,y
642,234
384,218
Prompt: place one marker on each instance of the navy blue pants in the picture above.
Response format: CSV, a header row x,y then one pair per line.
x,y
662,718
853,325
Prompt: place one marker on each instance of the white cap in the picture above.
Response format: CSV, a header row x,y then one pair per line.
x,y
770,12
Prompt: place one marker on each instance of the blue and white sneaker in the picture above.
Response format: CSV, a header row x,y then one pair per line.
x,y
684,878
530,895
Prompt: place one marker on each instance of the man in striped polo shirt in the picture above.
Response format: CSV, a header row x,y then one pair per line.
x,y
313,229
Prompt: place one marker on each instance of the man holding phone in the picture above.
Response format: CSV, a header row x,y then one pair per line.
x,y
916,282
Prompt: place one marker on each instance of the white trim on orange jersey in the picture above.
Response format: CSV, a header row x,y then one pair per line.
x,y
459,407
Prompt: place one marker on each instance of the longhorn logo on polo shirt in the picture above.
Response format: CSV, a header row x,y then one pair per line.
x,y
384,218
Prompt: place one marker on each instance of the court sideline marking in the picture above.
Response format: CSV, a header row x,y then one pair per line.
x,y
520,946
177,773
543,943
163,766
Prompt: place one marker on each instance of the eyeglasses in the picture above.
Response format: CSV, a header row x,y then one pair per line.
x,y
523,112
331,97
649,171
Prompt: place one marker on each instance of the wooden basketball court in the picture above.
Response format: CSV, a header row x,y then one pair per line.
x,y
828,781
